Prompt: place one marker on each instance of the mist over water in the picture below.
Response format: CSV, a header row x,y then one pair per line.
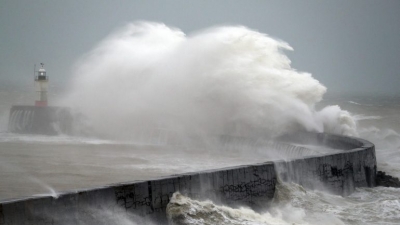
x,y
378,121
148,79
222,80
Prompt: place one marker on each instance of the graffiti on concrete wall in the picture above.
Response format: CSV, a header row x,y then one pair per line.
x,y
153,197
127,197
259,185
246,190
327,171
335,175
133,197
161,201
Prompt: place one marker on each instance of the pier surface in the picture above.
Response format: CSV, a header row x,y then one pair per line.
x,y
252,185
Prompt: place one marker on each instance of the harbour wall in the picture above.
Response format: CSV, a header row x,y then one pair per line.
x,y
45,120
250,185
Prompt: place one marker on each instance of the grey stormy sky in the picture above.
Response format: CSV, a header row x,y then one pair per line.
x,y
349,46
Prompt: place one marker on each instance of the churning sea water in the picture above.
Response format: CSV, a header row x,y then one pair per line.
x,y
377,120
228,80
43,165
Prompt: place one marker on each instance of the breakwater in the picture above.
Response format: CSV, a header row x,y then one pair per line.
x,y
251,185
45,120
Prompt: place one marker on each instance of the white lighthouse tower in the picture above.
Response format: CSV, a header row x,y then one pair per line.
x,y
41,84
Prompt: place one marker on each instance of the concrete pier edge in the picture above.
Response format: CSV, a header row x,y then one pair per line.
x,y
250,185
42,120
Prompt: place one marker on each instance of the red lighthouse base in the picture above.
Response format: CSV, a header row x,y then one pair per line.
x,y
40,103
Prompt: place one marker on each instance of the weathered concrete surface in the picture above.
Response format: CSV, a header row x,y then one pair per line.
x,y
251,185
339,173
45,120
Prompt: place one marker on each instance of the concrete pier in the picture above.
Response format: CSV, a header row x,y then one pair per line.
x,y
251,185
45,120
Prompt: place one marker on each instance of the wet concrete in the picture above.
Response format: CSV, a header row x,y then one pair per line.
x,y
251,185
46,120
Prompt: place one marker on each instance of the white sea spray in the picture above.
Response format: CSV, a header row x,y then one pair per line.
x,y
222,80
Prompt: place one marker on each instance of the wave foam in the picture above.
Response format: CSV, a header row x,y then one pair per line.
x,y
223,80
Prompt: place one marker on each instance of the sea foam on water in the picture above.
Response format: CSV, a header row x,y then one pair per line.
x,y
222,80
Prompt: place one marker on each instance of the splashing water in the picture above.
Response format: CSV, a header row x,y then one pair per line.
x,y
223,80
292,204
182,210
53,193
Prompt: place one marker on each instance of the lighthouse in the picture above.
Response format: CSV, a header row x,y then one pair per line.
x,y
40,118
41,85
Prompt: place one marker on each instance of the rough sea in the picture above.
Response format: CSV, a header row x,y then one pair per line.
x,y
234,88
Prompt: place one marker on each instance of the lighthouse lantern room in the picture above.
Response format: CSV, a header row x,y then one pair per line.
x,y
41,85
